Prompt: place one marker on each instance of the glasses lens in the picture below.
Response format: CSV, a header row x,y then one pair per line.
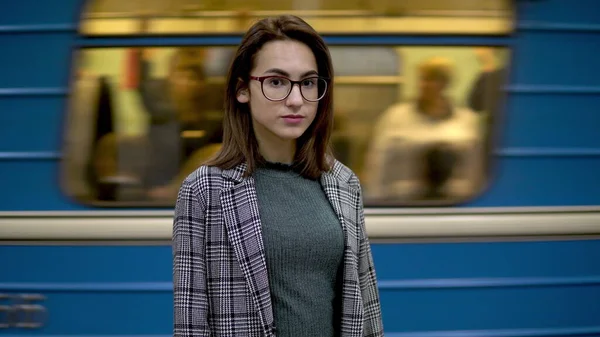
x,y
276,88
313,89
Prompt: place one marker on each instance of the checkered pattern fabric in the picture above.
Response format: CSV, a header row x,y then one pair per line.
x,y
220,278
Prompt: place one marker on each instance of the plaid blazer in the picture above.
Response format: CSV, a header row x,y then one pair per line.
x,y
220,278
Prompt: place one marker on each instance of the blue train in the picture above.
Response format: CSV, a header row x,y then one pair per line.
x,y
517,257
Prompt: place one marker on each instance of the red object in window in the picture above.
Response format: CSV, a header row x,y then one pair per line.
x,y
131,69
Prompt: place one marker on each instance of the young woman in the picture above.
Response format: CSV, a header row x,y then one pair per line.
x,y
269,236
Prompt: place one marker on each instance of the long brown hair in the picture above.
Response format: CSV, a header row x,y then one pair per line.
x,y
239,141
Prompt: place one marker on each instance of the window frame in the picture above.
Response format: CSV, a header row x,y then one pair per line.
x,y
232,39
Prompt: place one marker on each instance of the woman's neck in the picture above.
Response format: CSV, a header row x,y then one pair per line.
x,y
274,149
283,152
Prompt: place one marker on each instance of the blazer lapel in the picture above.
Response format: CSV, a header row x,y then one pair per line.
x,y
342,198
332,190
242,221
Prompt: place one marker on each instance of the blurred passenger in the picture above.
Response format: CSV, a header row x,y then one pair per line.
x,y
90,108
185,128
341,140
181,118
428,148
486,95
486,92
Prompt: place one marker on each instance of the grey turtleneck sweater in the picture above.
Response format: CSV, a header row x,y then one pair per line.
x,y
304,246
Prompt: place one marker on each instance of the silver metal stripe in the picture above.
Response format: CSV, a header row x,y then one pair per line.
x,y
368,211
159,227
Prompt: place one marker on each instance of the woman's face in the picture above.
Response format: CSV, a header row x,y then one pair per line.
x,y
287,119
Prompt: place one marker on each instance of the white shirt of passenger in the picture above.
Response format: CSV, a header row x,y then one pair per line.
x,y
401,135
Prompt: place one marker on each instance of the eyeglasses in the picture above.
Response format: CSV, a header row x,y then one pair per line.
x,y
278,88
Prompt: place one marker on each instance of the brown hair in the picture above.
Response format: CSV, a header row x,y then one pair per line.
x,y
437,68
239,142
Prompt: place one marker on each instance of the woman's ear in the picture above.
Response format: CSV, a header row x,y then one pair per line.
x,y
243,93
243,96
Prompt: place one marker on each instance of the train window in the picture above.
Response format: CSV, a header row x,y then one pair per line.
x,y
415,122
116,17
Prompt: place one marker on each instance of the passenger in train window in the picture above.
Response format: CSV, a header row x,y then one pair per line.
x,y
269,235
426,149
181,120
90,119
184,129
486,94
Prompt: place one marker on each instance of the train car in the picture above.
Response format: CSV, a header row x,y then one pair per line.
x,y
510,249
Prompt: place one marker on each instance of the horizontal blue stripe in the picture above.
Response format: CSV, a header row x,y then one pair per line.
x,y
542,332
58,91
94,287
43,28
557,26
383,284
552,89
488,282
575,331
179,40
70,335
524,26
29,155
534,89
509,152
547,152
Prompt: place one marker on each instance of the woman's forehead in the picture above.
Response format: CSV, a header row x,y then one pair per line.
x,y
291,56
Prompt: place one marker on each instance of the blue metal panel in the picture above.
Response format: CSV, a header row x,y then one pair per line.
x,y
150,312
31,123
498,308
557,58
485,286
543,181
33,185
36,12
34,60
112,313
560,11
86,264
492,260
419,261
552,120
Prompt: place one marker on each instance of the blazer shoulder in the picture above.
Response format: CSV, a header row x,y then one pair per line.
x,y
202,180
346,174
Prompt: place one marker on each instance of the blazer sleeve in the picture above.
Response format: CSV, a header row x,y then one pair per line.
x,y
373,324
189,263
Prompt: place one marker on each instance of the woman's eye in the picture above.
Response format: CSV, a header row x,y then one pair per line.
x,y
308,82
275,82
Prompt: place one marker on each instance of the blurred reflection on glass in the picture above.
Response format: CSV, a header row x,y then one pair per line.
x,y
168,117
91,107
327,16
140,120
428,149
486,95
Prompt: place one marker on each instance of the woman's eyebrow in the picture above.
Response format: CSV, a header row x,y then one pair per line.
x,y
286,74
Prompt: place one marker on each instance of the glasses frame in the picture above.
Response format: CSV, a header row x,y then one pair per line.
x,y
262,79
